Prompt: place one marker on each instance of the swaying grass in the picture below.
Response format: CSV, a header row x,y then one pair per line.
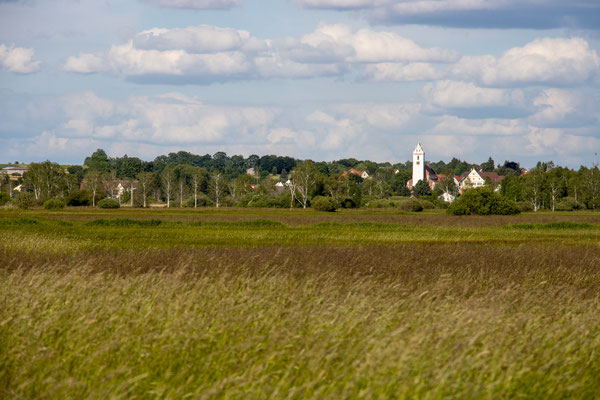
x,y
261,308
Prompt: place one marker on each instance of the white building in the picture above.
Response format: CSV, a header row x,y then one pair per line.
x,y
418,164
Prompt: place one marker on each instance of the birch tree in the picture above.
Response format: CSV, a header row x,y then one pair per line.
x,y
93,180
217,187
146,180
168,181
304,178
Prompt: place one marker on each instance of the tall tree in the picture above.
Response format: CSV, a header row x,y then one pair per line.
x,y
93,180
146,181
217,187
168,181
304,178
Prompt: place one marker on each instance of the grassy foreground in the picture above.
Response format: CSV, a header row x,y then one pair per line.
x,y
279,304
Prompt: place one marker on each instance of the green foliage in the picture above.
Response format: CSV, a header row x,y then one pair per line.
x,y
54,204
422,189
482,201
24,200
408,204
568,204
322,203
78,198
4,198
348,203
525,206
98,161
109,203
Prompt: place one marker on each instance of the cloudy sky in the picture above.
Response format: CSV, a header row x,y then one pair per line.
x,y
321,79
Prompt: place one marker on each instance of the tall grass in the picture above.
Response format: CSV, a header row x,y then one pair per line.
x,y
390,318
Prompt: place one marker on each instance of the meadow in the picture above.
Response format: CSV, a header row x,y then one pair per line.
x,y
260,303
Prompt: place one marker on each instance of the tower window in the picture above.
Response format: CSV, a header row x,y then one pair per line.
x,y
418,163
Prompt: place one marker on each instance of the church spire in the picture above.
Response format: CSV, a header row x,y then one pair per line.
x,y
418,164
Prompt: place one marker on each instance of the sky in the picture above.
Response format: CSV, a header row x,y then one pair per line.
x,y
515,80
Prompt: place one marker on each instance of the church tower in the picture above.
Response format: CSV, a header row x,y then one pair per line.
x,y
418,164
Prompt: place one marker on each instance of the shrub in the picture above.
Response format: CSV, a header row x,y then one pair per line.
x,y
4,198
525,206
427,205
568,204
78,198
24,200
321,203
108,203
348,203
483,201
54,204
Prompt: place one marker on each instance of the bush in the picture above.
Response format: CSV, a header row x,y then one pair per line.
x,y
427,205
483,201
348,203
109,203
24,200
568,204
525,206
4,198
404,204
54,204
78,198
321,203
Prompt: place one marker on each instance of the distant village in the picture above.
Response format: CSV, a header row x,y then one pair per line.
x,y
184,179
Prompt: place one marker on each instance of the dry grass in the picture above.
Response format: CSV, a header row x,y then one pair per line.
x,y
453,318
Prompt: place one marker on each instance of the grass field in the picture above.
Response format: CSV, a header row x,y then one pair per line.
x,y
260,304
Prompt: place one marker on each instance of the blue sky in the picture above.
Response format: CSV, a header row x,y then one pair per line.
x,y
321,79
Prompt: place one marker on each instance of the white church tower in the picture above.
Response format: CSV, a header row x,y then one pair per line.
x,y
418,164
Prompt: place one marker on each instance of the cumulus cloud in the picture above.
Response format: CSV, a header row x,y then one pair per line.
x,y
170,119
85,63
18,59
399,72
536,14
457,94
453,125
207,53
195,4
557,61
565,108
374,46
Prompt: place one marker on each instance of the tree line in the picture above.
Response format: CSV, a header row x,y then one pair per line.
x,y
184,179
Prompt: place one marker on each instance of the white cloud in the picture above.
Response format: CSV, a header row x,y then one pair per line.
x,y
196,4
170,118
382,116
397,72
555,105
374,46
456,94
85,63
18,59
452,125
207,53
557,61
197,39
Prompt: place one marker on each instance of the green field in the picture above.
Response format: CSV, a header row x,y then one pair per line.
x,y
253,304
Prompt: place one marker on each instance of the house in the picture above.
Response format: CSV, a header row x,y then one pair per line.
x,y
362,174
473,178
279,187
251,171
